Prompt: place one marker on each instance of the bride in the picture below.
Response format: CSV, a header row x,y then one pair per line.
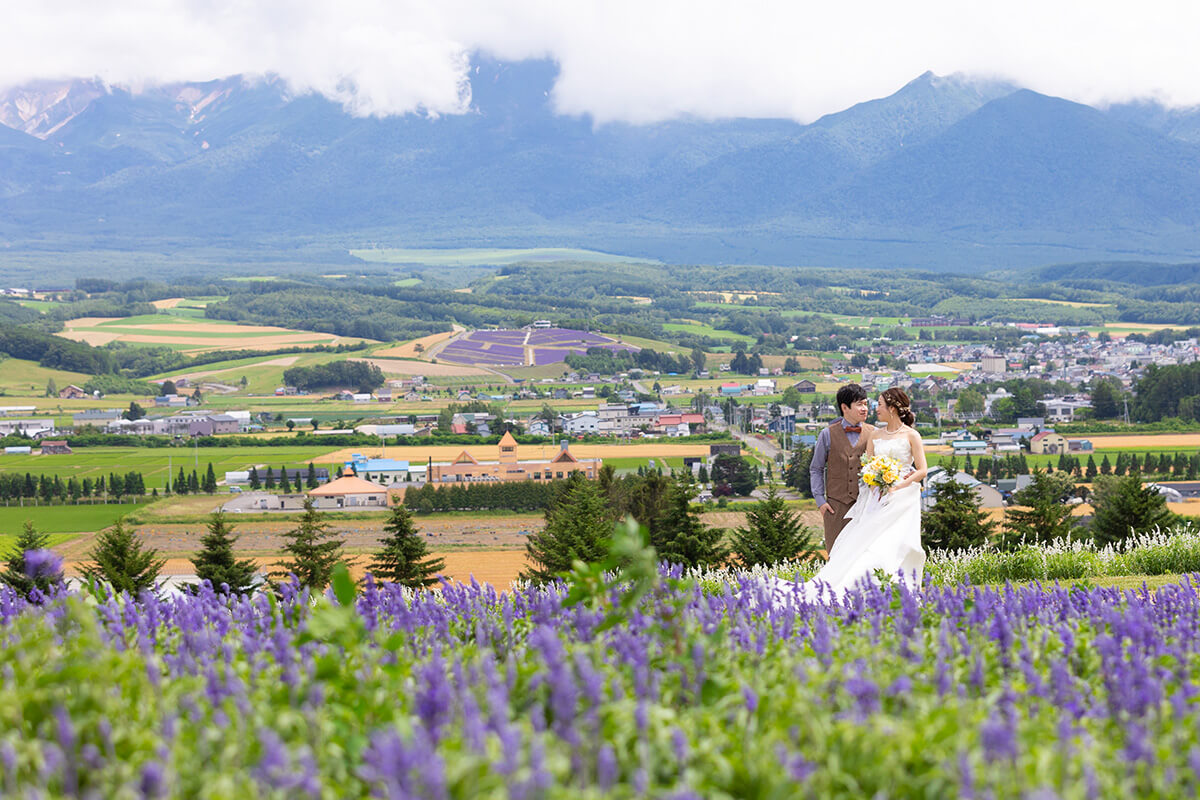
x,y
884,530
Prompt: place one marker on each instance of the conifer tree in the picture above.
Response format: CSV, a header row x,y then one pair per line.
x,y
404,557
578,523
216,562
270,483
1041,513
181,483
285,485
210,480
193,483
773,534
255,483
120,560
313,549
1105,465
1124,507
311,482
1090,472
955,521
681,537
16,572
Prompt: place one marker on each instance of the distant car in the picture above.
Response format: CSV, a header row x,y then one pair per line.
x,y
235,490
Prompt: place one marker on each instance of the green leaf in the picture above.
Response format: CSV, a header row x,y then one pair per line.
x,y
343,585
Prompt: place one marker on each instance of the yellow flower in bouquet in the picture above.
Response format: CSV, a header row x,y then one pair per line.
x,y
882,472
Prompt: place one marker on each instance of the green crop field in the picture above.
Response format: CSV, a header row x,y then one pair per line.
x,y
61,519
473,256
624,466
153,463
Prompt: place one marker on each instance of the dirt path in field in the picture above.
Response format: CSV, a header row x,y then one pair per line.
x,y
490,549
1163,440
285,361
396,367
169,302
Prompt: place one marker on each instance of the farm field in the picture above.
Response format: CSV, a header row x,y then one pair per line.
x,y
700,329
93,462
21,378
473,256
62,519
435,372
518,347
191,334
1179,441
414,348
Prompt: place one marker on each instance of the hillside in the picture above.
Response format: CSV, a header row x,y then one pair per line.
x,y
947,172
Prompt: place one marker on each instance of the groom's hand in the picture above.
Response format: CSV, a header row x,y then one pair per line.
x,y
826,508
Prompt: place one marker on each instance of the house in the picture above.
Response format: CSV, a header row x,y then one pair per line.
x,y
348,491
985,496
805,387
58,447
1064,409
72,392
34,428
582,423
538,427
174,401
969,446
731,389
1048,443
1079,445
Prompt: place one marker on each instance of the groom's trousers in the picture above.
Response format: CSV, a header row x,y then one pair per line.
x,y
834,522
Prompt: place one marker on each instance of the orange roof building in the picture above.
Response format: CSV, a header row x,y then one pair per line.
x,y
349,492
467,468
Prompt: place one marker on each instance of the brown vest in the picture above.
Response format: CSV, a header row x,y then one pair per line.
x,y
842,465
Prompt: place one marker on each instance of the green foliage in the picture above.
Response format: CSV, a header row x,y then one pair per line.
x,y
1042,514
797,474
733,475
772,534
120,560
118,384
1124,507
312,549
404,557
215,561
577,525
358,375
955,521
680,537
14,573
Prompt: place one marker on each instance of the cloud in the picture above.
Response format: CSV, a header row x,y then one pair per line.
x,y
629,60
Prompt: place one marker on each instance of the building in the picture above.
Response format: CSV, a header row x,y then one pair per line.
x,y
985,496
385,470
969,447
34,428
349,492
805,386
58,447
1064,409
993,364
97,417
1048,443
468,469
71,392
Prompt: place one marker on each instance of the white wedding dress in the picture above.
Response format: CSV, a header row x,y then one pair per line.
x,y
882,535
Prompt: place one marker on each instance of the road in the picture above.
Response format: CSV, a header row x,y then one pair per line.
x,y
765,446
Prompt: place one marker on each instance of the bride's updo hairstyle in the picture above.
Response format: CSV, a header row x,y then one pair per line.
x,y
897,400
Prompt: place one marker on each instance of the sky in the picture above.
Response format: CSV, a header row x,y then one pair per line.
x,y
638,61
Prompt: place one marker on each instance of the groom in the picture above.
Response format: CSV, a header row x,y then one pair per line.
x,y
835,462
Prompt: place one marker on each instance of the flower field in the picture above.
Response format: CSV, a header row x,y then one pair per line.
x,y
655,687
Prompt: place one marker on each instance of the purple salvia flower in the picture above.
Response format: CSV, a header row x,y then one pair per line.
x,y
153,781
43,565
607,769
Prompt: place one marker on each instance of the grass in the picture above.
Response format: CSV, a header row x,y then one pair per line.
x,y
21,378
1124,582
472,256
63,519
407,282
153,463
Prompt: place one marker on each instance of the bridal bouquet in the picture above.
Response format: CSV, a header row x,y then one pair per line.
x,y
882,472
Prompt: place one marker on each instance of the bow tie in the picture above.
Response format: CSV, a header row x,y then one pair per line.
x,y
853,429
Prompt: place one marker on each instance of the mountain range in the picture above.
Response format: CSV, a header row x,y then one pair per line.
x,y
946,173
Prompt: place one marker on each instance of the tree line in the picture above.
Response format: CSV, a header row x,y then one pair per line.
x,y
48,489
366,377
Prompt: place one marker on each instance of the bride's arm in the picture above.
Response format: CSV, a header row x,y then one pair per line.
x,y
921,466
869,453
